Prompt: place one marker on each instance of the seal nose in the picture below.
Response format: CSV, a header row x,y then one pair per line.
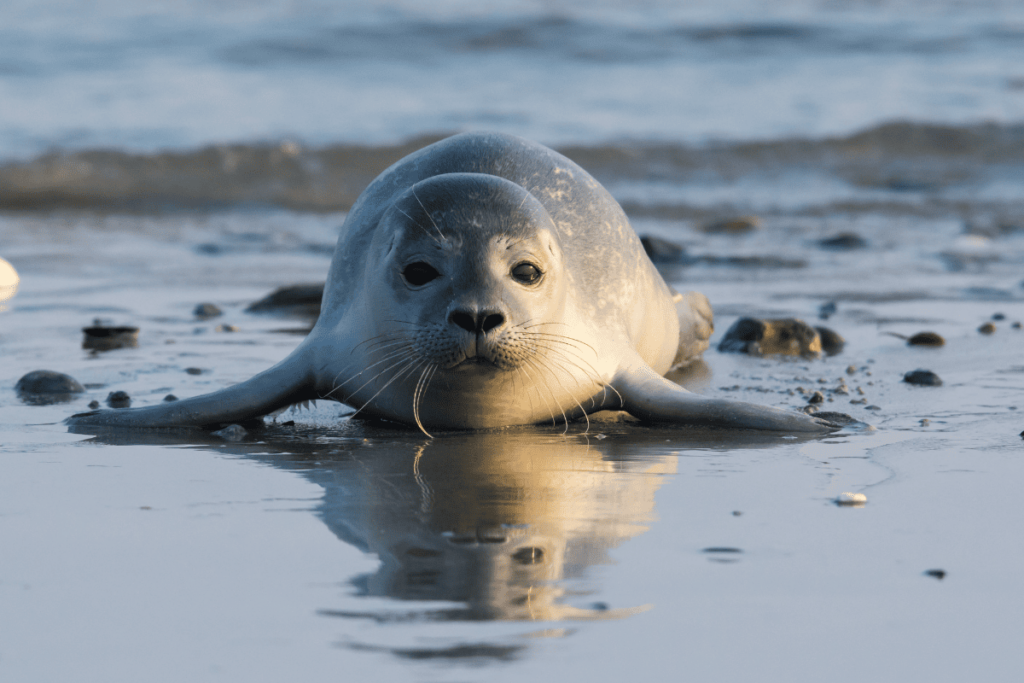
x,y
479,322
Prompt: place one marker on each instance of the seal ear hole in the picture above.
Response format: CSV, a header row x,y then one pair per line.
x,y
420,273
526,273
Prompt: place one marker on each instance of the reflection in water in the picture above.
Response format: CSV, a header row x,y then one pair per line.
x,y
487,526
495,522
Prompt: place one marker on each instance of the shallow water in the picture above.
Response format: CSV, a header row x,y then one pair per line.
x,y
161,156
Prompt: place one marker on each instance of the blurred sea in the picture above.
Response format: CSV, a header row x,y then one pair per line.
x,y
300,103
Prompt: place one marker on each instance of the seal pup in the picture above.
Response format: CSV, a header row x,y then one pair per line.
x,y
481,282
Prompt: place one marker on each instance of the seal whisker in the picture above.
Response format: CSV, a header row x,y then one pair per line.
x,y
439,233
417,224
409,366
549,362
558,405
421,389
397,354
536,386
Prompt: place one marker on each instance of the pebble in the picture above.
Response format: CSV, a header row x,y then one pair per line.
x,y
987,328
832,343
816,397
226,328
851,369
858,401
926,339
194,371
923,378
170,397
848,499
1016,326
872,407
842,390
827,309
939,574
94,404
48,382
924,422
998,316
844,240
206,311
105,338
119,399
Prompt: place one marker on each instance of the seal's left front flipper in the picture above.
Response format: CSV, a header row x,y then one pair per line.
x,y
652,398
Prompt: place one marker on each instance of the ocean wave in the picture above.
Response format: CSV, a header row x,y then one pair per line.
x,y
896,157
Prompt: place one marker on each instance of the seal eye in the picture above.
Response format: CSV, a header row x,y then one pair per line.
x,y
527,273
419,273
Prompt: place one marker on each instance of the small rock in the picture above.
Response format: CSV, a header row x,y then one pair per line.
x,y
226,328
998,316
732,226
809,409
1016,326
204,311
939,574
104,338
757,337
841,390
194,371
987,328
170,397
844,241
847,499
816,397
831,342
926,339
119,399
826,310
48,382
232,433
94,404
872,407
925,378
851,369
924,422
858,401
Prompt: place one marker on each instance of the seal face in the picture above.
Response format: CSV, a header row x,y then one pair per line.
x,y
486,281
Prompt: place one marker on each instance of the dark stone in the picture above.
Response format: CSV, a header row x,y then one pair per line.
x,y
925,378
939,574
758,337
194,371
94,404
844,241
987,328
170,397
816,397
103,338
998,316
206,311
119,399
661,250
826,310
926,339
732,226
46,387
831,342
302,300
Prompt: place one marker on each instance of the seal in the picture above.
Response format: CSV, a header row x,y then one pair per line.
x,y
481,282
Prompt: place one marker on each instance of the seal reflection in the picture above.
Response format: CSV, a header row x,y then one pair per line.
x,y
499,523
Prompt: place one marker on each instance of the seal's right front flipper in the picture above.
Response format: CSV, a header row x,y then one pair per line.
x,y
652,398
276,388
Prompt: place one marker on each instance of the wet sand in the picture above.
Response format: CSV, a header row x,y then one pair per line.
x,y
618,550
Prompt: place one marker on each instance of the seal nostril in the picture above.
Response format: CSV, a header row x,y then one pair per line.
x,y
463,320
491,321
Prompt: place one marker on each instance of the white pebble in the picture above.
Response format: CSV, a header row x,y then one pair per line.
x,y
852,499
